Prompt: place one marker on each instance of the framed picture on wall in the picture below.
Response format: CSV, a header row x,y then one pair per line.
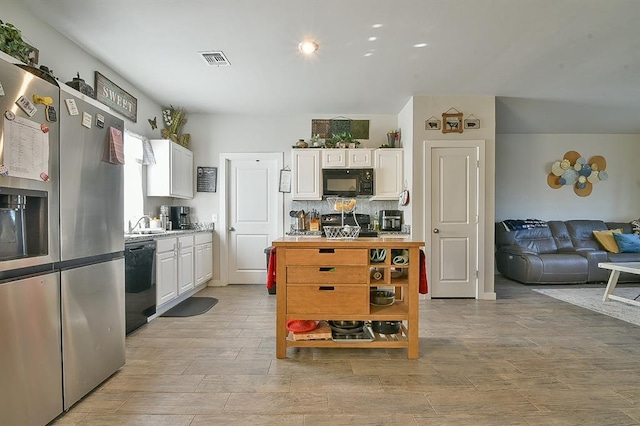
x,y
471,122
452,122
432,124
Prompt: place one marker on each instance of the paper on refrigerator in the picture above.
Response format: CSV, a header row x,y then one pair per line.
x,y
26,149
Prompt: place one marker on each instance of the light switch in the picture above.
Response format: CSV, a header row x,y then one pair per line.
x,y
214,217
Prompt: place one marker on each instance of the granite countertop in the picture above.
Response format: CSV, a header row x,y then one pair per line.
x,y
162,234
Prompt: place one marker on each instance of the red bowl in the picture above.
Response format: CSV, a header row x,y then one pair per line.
x,y
302,326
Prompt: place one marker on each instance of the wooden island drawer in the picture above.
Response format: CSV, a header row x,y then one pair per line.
x,y
328,300
327,256
340,274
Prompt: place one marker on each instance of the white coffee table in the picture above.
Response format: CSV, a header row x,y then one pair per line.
x,y
616,268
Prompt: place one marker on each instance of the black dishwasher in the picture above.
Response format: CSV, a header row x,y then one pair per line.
x,y
139,282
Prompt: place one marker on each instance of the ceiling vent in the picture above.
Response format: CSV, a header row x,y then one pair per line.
x,y
215,58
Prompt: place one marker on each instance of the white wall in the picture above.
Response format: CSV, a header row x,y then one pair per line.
x,y
212,135
66,59
524,161
483,108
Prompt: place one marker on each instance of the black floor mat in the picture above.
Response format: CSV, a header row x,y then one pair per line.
x,y
191,307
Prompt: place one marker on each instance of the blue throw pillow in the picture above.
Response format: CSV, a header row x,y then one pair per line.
x,y
628,243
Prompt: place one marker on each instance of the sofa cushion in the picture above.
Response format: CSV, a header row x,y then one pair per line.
x,y
533,240
606,240
581,232
628,243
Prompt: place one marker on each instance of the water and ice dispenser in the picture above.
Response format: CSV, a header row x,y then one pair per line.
x,y
23,223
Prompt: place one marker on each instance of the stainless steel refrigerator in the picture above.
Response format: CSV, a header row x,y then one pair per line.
x,y
30,325
61,248
91,248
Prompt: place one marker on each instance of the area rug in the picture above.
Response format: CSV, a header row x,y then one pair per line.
x,y
591,298
191,307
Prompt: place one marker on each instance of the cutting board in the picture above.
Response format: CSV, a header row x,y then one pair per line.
x,y
322,332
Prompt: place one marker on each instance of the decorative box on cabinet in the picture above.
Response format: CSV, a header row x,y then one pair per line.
x,y
323,279
354,158
388,173
172,175
306,174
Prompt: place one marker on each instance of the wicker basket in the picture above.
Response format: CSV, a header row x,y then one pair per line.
x,y
341,232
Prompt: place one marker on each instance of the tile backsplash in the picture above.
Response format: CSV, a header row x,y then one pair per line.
x,y
363,206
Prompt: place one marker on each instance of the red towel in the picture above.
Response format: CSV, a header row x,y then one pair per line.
x,y
423,287
271,270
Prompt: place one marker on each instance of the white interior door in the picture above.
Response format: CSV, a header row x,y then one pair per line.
x,y
452,230
253,213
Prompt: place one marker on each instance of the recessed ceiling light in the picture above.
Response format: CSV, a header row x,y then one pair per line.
x,y
420,45
308,47
376,26
373,38
368,54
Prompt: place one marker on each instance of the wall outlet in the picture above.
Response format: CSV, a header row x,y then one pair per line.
x,y
214,217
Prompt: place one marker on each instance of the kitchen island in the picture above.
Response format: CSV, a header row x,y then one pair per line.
x,y
331,279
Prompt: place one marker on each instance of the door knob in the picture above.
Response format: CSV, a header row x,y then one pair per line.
x,y
436,231
231,229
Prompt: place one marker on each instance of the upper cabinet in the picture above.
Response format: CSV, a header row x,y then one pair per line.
x,y
172,175
353,158
388,173
306,181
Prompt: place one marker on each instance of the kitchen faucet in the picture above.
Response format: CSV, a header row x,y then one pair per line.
x,y
131,228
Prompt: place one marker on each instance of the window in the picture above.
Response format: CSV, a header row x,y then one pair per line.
x,y
133,194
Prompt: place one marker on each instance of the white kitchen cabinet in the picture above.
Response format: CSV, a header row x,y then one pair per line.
x,y
360,158
334,158
172,175
166,270
186,264
354,158
204,258
388,173
175,267
306,179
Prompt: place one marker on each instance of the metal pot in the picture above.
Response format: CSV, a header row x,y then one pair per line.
x,y
346,324
386,327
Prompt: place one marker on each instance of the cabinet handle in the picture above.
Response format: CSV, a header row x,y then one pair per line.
x,y
326,250
329,269
326,288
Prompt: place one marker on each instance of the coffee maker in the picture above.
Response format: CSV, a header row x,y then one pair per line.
x,y
180,217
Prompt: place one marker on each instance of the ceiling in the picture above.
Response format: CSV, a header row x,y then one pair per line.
x,y
557,52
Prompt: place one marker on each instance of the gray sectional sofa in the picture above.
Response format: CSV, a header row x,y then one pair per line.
x,y
558,252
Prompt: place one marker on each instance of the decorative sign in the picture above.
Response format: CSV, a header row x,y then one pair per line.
x,y
113,96
325,128
432,124
285,180
471,122
207,179
452,121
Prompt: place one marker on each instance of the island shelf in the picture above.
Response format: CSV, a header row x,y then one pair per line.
x,y
327,279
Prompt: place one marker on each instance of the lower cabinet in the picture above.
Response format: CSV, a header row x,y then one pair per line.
x,y
166,270
182,263
186,264
204,258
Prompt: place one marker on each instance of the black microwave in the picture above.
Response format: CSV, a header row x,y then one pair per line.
x,y
347,182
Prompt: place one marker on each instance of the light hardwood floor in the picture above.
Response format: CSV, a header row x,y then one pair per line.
x,y
524,359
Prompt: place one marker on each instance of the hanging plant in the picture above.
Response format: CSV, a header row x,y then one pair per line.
x,y
12,44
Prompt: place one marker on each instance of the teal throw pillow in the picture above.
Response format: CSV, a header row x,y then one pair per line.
x,y
628,243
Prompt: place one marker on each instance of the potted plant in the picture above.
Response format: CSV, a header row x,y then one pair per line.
x,y
12,44
344,140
